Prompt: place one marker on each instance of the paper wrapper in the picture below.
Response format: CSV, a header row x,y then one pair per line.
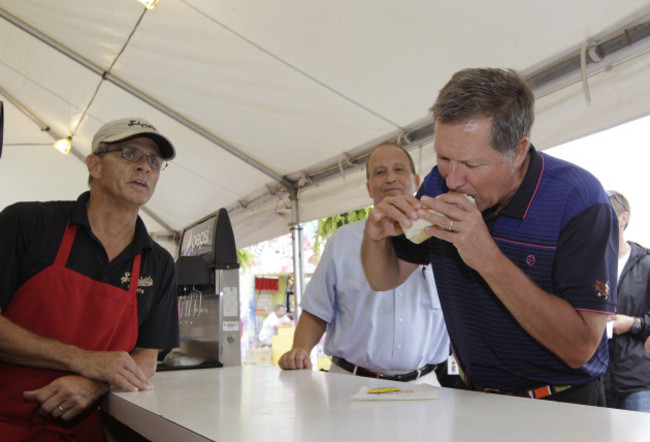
x,y
405,392
416,232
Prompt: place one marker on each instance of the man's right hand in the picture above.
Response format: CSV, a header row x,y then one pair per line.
x,y
380,264
391,212
295,359
115,367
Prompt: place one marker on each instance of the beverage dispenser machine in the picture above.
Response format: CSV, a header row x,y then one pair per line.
x,y
208,296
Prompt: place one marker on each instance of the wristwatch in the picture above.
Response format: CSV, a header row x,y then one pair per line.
x,y
636,326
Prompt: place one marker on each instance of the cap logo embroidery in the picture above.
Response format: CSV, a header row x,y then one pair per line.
x,y
141,124
602,288
530,260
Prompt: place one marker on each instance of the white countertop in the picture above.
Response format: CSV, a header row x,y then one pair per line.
x,y
255,403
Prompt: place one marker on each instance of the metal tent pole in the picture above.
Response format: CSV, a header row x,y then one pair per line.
x,y
298,270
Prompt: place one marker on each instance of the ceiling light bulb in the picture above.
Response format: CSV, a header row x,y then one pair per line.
x,y
63,145
149,4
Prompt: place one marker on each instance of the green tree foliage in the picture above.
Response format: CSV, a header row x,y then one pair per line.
x,y
327,226
245,258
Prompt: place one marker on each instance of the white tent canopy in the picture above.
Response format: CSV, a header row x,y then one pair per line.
x,y
272,104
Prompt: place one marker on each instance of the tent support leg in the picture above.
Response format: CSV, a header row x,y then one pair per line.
x,y
298,271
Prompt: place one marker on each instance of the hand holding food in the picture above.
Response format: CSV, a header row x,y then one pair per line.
x,y
416,232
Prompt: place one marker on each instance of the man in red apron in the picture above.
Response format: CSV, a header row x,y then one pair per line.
x,y
86,297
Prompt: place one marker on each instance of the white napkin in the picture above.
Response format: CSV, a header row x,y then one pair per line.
x,y
402,392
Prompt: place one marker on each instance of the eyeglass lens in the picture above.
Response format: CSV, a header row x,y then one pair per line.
x,y
135,155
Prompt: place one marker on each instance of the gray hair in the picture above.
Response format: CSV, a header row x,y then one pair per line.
x,y
501,95
102,147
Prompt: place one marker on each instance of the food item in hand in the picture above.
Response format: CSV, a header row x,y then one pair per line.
x,y
416,233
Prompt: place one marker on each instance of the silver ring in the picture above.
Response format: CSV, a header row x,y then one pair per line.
x,y
451,226
61,408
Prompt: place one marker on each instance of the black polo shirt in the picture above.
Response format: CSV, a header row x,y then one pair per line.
x,y
30,235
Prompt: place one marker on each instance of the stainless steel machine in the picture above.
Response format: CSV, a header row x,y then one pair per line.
x,y
208,296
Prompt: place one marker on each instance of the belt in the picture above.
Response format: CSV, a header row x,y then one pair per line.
x,y
534,393
360,371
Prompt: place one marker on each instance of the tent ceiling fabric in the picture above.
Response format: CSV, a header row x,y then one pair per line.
x,y
290,86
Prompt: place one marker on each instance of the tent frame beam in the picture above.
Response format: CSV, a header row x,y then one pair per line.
x,y
565,70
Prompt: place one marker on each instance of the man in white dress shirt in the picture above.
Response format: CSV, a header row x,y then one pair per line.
x,y
398,334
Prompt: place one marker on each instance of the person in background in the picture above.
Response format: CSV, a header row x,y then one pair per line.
x,y
627,383
397,334
526,275
87,298
271,323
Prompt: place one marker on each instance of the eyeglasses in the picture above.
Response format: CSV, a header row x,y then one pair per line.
x,y
135,155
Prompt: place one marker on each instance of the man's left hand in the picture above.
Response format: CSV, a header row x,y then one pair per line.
x,y
462,225
67,396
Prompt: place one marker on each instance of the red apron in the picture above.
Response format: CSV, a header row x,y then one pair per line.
x,y
62,304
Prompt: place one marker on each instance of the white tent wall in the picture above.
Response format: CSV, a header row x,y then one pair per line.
x,y
255,92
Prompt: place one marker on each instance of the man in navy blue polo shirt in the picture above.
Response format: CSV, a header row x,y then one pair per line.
x,y
527,276
86,296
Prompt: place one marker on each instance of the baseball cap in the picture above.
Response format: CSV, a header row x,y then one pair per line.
x,y
118,130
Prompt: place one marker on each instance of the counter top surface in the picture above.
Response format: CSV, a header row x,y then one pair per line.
x,y
253,403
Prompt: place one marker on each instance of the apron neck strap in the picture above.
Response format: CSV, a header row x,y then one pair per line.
x,y
66,244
